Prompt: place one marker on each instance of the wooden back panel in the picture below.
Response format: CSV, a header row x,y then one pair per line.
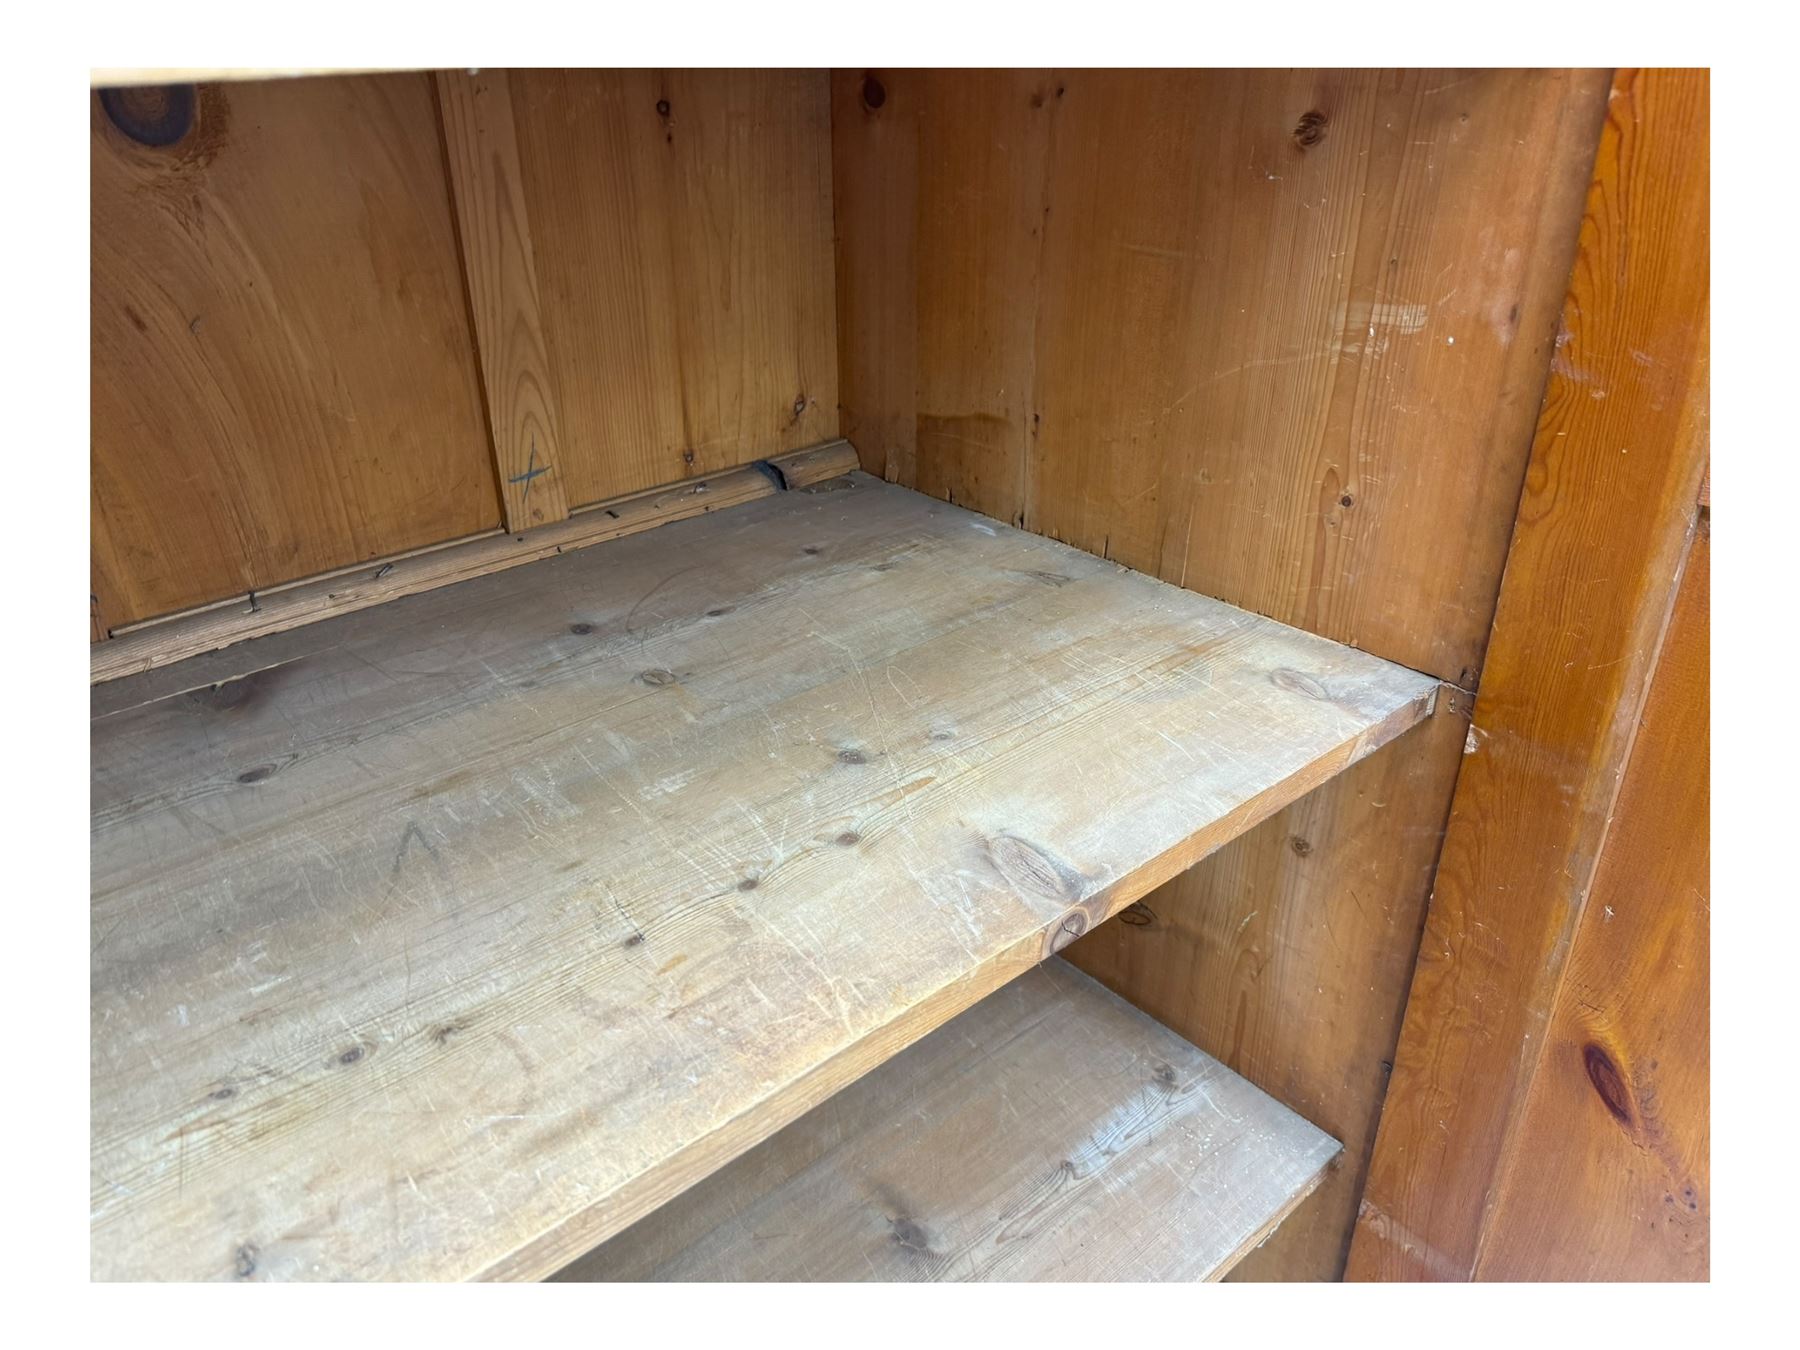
x,y
288,375
683,229
1277,336
283,376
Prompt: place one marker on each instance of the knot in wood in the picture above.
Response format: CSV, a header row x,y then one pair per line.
x,y
1297,682
1033,871
1073,925
156,115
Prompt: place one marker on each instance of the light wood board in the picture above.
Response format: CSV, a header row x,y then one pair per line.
x,y
478,924
101,77
1051,1132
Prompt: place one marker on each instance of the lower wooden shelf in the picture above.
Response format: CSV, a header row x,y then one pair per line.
x,y
1051,1132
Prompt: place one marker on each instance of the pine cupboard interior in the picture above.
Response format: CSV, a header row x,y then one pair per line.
x,y
650,628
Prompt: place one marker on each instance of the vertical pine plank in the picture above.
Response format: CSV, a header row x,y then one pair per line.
x,y
1604,521
284,381
875,185
684,228
1609,1177
499,263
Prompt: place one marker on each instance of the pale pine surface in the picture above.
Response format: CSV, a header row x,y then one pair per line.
x,y
470,928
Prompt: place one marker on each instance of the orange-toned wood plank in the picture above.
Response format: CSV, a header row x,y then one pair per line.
x,y
1609,1175
1603,524
682,222
875,184
284,380
499,264
1246,330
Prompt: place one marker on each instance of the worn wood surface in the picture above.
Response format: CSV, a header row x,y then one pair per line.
x,y
485,921
1051,1132
169,641
283,375
1287,955
1604,521
499,264
1277,336
1609,1176
682,222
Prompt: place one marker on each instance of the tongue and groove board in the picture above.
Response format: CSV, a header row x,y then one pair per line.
x,y
1051,1132
452,936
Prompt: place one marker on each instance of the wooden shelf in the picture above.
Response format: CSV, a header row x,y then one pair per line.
x,y
447,938
1051,1132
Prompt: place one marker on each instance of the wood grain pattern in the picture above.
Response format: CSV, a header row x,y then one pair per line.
x,y
683,229
940,189
283,375
558,889
165,642
1287,955
1608,1177
875,184
1608,508
1276,336
1051,1132
499,264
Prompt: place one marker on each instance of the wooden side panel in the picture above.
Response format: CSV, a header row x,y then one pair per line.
x,y
1608,506
481,147
682,223
283,375
1279,337
1286,955
1609,1175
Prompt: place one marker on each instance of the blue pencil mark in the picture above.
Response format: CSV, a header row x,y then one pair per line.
x,y
531,472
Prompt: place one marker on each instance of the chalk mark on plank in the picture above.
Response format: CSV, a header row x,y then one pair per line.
x,y
531,472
